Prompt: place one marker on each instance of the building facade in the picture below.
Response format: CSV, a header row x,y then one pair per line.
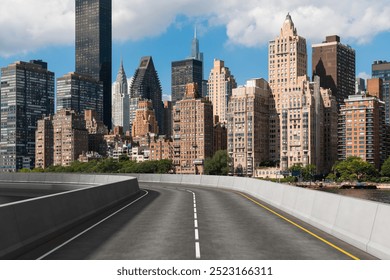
x,y
120,101
192,132
27,94
145,120
248,127
94,46
219,89
70,137
60,139
96,131
146,85
334,63
381,69
303,131
44,143
375,87
287,60
184,72
79,93
362,129
168,118
161,148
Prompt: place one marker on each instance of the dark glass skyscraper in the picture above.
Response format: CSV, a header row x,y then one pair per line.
x,y
146,85
94,46
187,71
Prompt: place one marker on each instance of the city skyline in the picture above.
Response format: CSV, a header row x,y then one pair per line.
x,y
243,45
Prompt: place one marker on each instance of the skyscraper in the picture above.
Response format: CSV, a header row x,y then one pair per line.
x,y
248,121
381,69
146,85
27,93
363,114
79,93
334,63
120,101
94,46
189,70
287,60
193,132
220,85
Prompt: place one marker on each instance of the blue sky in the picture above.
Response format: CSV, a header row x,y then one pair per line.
x,y
234,31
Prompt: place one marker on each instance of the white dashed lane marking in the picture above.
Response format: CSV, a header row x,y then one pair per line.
x,y
196,226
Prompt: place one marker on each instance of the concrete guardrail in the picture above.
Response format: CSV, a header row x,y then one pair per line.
x,y
362,223
27,223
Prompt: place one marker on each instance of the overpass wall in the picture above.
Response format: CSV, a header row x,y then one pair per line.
x,y
27,223
364,224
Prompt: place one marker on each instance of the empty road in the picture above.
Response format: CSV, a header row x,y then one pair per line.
x,y
178,222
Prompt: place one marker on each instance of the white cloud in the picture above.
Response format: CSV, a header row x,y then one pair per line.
x,y
364,75
27,25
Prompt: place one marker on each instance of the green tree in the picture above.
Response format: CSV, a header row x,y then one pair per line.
x,y
354,169
385,170
307,172
218,164
164,166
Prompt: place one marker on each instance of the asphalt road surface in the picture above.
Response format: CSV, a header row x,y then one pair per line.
x,y
178,222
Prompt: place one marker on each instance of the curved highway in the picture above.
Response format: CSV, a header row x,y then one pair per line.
x,y
177,222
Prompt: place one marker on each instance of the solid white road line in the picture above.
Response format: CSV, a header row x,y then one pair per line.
x,y
91,227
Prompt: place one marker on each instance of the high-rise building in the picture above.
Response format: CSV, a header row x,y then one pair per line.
x,y
44,143
220,135
161,148
287,60
219,89
168,118
375,87
186,71
27,94
302,130
193,132
79,93
334,63
146,85
60,139
362,130
96,131
120,101
381,69
70,137
145,120
248,127
360,85
94,46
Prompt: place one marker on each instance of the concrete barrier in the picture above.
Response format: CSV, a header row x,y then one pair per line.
x,y
28,223
362,223
191,179
379,243
173,178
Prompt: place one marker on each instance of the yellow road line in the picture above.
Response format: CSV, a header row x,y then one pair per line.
x,y
300,227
